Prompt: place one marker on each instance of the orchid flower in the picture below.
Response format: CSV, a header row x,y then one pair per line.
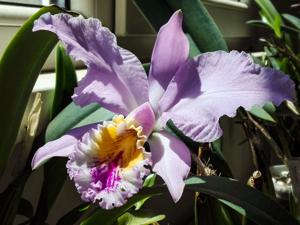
x,y
108,161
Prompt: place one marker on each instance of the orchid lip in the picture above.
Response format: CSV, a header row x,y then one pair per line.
x,y
110,163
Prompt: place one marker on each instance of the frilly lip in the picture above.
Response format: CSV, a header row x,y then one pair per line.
x,y
106,181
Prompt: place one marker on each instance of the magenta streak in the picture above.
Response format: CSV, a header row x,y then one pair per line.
x,y
107,174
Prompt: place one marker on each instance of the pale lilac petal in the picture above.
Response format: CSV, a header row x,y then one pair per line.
x,y
134,76
143,116
185,84
85,39
171,160
114,75
198,124
102,87
171,49
61,147
227,81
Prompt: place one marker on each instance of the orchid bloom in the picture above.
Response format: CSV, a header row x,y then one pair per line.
x,y
108,161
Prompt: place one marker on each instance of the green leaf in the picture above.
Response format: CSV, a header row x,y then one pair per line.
x,y
142,217
20,66
269,107
108,217
202,28
295,21
66,81
277,26
261,113
271,15
239,209
157,13
260,23
74,116
257,206
149,182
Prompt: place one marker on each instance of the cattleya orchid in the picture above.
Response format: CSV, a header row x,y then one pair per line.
x,y
108,161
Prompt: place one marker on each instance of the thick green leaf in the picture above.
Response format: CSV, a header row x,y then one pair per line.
x,y
142,217
157,13
258,207
295,21
74,116
108,217
19,68
66,81
200,25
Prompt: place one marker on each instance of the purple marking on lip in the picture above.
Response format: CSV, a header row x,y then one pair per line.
x,y
107,174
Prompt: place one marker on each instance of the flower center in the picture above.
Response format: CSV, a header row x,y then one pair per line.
x,y
119,141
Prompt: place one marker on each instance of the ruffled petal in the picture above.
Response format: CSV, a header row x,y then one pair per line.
x,y
85,39
171,49
143,116
223,82
109,163
113,73
61,147
171,160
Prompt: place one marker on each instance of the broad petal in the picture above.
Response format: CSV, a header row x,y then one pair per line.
x,y
143,116
171,160
85,39
201,126
171,49
110,67
226,82
104,88
61,147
